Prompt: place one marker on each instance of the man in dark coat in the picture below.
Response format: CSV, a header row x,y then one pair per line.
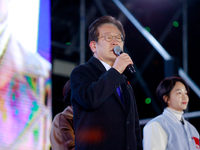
x,y
104,119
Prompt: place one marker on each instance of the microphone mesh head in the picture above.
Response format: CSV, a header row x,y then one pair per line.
x,y
118,50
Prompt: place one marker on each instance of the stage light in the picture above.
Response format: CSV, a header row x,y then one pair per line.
x,y
68,43
23,22
175,23
148,29
148,100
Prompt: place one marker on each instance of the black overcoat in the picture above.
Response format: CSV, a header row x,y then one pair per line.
x,y
101,121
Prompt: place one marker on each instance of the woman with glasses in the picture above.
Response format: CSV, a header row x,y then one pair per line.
x,y
170,131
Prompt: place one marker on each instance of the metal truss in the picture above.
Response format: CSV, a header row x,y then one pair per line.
x,y
158,47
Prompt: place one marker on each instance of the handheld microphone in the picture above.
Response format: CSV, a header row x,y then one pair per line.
x,y
118,51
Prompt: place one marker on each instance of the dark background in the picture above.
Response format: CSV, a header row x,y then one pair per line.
x,y
155,14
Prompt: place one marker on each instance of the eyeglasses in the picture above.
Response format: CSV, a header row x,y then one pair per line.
x,y
109,38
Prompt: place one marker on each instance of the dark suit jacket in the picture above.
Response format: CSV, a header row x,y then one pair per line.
x,y
101,121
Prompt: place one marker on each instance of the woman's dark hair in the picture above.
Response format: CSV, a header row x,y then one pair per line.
x,y
166,86
93,33
67,93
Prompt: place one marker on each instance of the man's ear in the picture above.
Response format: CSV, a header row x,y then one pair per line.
x,y
93,46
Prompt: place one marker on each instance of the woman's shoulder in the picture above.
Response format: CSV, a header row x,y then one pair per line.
x,y
157,119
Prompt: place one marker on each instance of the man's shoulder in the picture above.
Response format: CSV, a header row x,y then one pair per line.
x,y
81,67
92,64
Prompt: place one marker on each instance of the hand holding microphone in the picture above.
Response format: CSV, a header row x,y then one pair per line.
x,y
123,62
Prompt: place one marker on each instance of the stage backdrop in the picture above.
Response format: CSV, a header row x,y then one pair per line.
x,y
25,69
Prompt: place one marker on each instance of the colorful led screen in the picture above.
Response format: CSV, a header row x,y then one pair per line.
x,y
25,82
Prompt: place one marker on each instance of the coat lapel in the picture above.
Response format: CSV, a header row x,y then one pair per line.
x,y
101,70
126,90
99,66
119,100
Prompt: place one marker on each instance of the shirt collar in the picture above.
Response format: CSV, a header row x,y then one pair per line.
x,y
178,114
105,65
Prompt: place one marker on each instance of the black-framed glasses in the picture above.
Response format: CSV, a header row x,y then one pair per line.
x,y
109,38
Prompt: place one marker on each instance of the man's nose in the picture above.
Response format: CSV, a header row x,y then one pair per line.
x,y
114,41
